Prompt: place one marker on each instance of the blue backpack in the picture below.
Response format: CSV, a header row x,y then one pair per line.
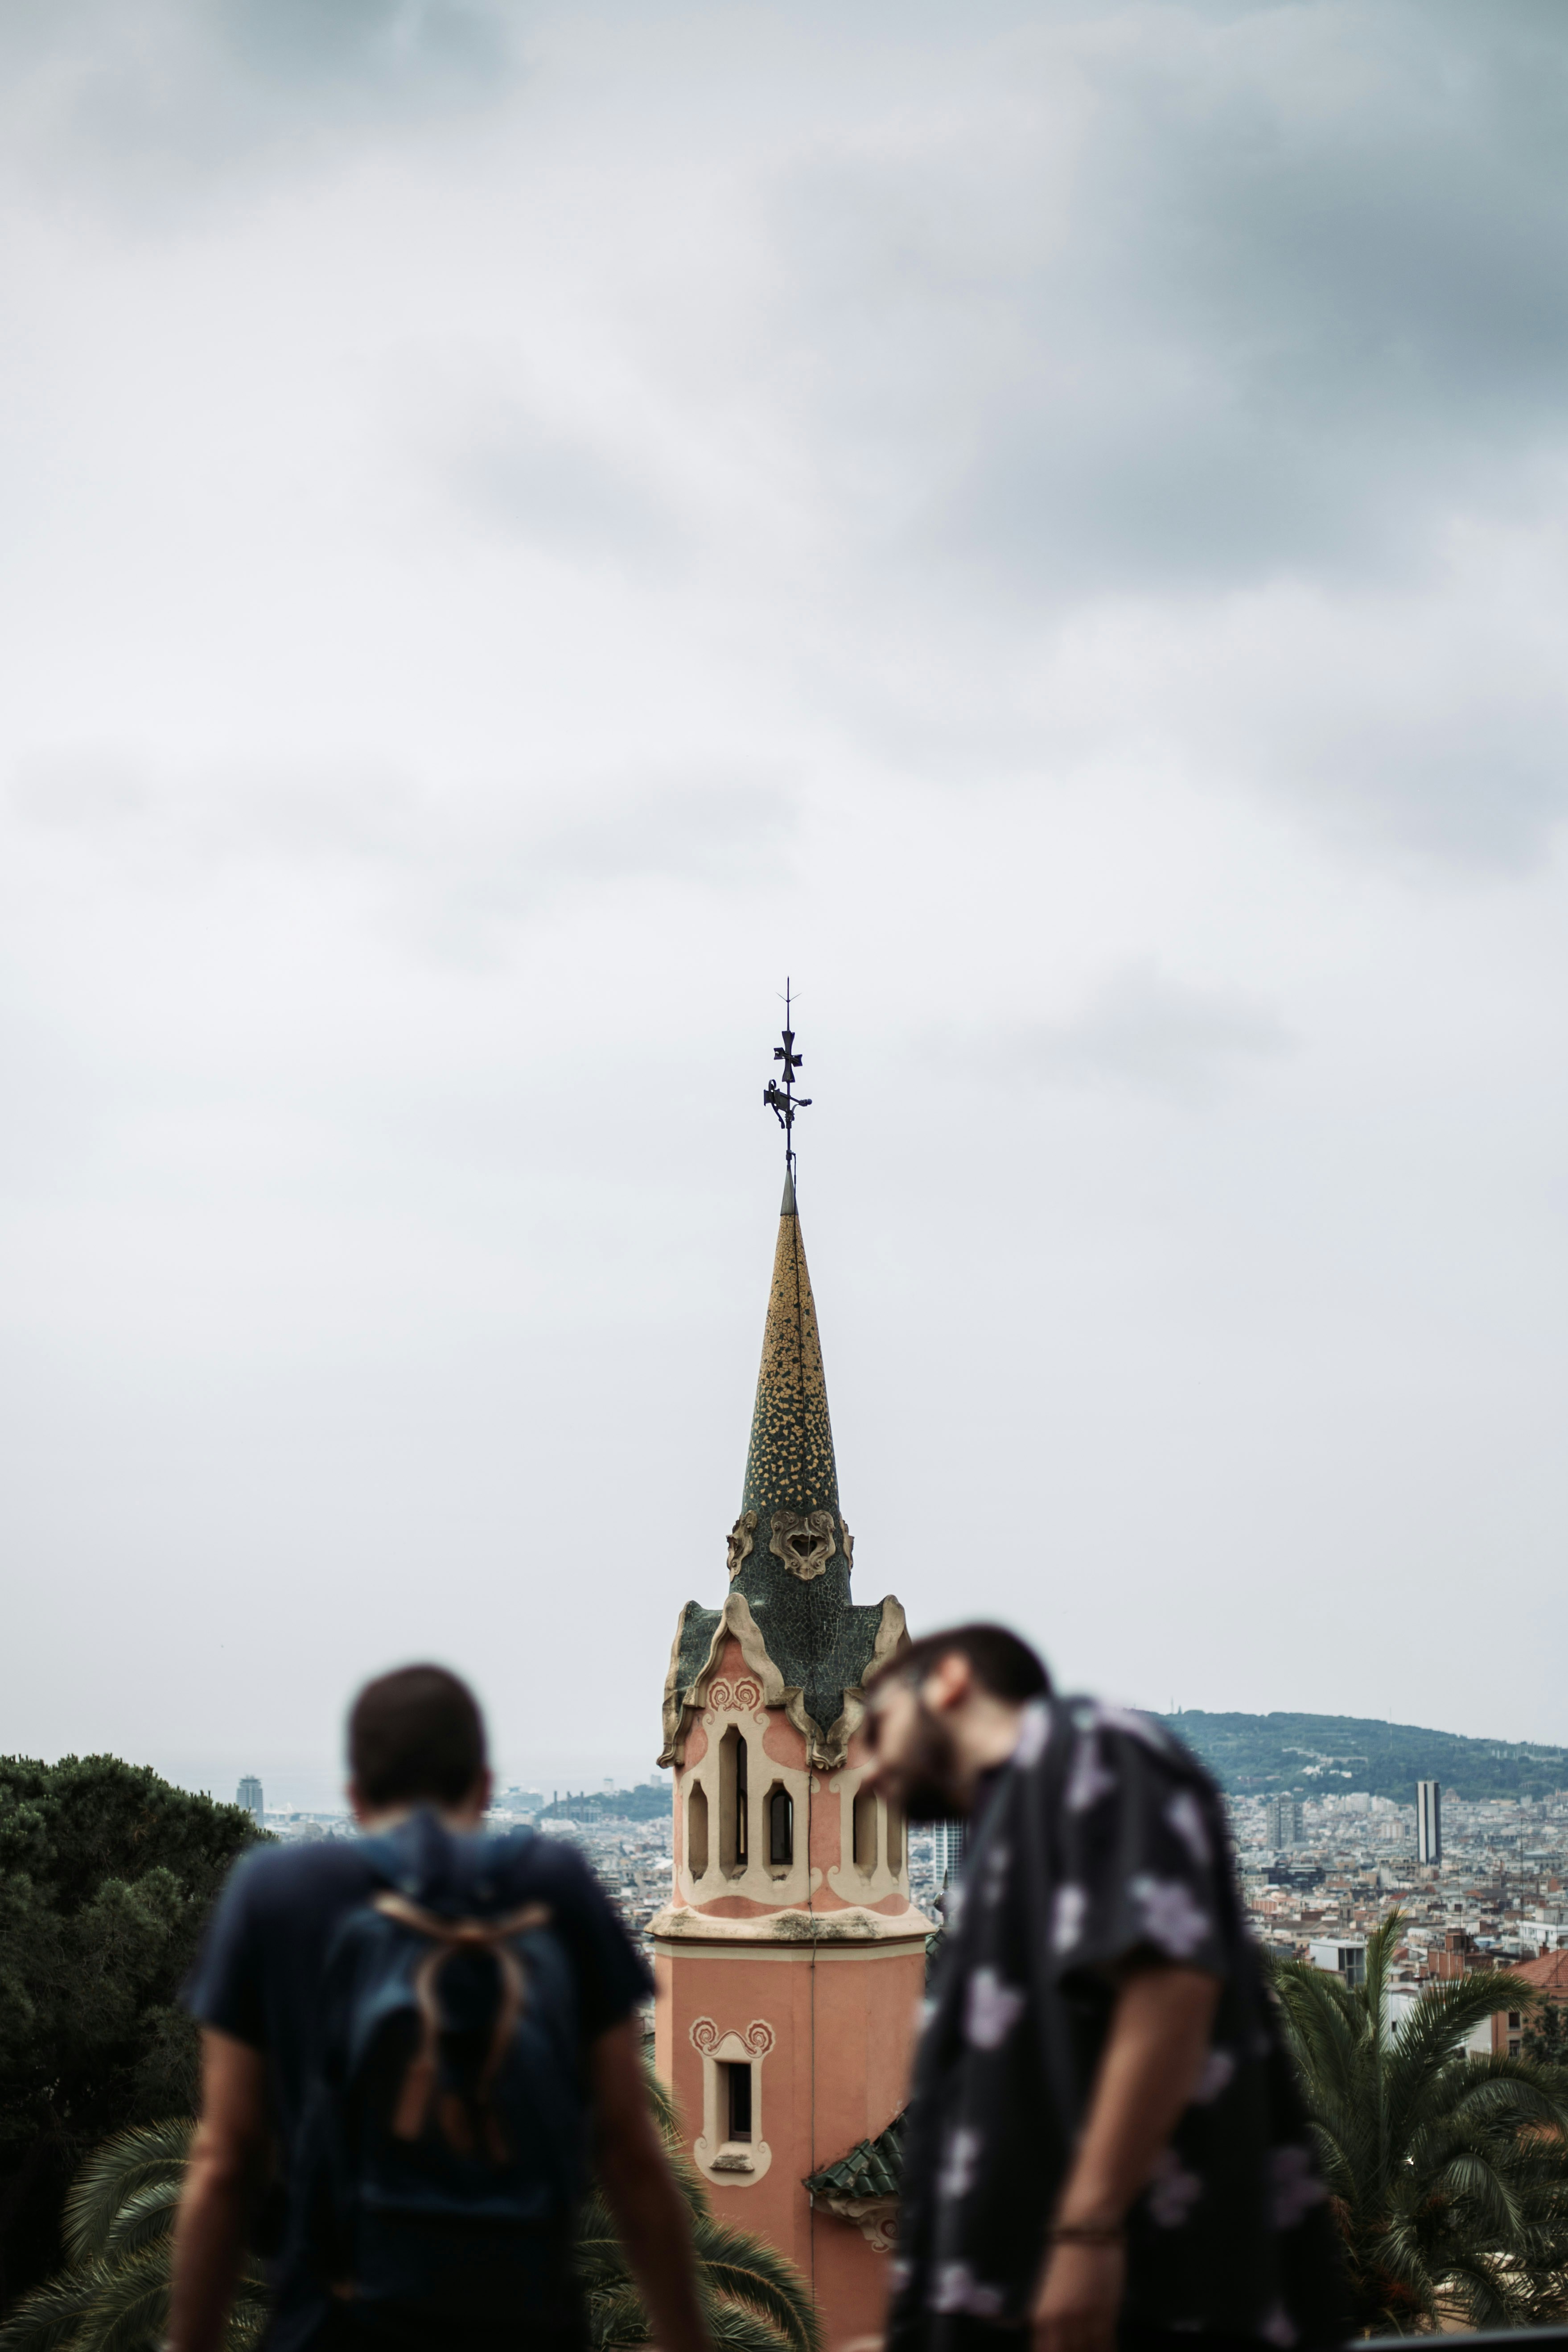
x,y
448,2144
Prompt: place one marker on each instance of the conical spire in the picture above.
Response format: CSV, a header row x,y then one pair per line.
x,y
789,1466
789,1550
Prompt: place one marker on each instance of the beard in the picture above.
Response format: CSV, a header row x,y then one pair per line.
x,y
928,1775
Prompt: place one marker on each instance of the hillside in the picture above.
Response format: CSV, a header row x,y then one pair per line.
x,y
1315,1754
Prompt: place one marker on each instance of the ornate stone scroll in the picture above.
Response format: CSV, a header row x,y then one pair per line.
x,y
804,1543
742,1536
758,2037
742,1694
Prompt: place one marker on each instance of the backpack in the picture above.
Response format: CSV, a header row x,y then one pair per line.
x,y
446,2150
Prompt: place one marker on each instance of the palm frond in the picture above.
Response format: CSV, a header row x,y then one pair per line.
x,y
737,2326
49,2318
745,2268
129,2161
145,2219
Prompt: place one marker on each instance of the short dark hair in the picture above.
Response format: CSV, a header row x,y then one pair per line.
x,y
417,1733
1003,1664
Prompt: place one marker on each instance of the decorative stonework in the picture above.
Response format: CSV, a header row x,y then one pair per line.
x,y
804,1542
758,2037
847,1543
876,2218
743,1538
731,2163
742,1696
687,1684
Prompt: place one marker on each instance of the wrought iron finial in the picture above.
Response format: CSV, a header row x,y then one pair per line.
x,y
782,1101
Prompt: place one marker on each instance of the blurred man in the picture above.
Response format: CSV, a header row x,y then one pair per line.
x,y
420,2036
1105,2143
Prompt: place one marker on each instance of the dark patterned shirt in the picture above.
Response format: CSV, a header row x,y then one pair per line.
x,y
1103,1838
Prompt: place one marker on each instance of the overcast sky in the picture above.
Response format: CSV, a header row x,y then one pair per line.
x,y
526,523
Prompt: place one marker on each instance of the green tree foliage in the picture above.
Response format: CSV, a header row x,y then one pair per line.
x,y
106,1877
1545,2036
113,2294
1448,2173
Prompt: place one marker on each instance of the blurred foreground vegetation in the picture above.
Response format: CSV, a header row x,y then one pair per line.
x,y
113,2293
107,1875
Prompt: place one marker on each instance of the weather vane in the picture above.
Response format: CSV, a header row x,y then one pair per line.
x,y
782,1101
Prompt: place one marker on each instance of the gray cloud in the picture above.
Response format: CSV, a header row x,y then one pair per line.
x,y
1276,293
1143,1030
503,857
534,485
151,110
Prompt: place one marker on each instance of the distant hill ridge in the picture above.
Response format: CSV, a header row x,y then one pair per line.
x,y
1313,1755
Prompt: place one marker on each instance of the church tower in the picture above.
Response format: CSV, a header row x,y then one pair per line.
x,y
790,1962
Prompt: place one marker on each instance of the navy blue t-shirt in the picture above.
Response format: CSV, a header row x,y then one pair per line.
x,y
258,1975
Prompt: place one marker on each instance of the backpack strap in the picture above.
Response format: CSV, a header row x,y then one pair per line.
x,y
446,1936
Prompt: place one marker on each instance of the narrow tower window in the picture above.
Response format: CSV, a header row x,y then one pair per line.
x,y
697,1830
738,2100
895,1839
865,1831
781,1829
734,1802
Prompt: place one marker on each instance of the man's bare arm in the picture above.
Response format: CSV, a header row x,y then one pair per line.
x,y
1153,2056
649,2210
227,2158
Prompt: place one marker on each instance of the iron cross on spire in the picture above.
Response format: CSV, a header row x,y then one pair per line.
x,y
782,1101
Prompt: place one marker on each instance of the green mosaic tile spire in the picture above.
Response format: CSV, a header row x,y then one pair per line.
x,y
789,1550
789,1463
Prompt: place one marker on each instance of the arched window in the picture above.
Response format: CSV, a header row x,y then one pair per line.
x,y
734,1804
895,1839
781,1828
865,1831
697,1830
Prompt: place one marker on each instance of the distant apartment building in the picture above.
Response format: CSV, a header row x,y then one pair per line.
x,y
947,1840
1428,1821
1283,1821
1341,1956
249,1797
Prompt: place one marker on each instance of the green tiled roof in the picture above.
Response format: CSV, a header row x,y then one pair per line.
x,y
872,2169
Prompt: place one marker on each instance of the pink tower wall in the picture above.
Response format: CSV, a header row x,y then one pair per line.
x,y
830,1981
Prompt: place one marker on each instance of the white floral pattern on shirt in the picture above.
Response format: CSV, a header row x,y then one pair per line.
x,y
1069,1907
997,1863
1185,1816
1293,2185
1033,1733
1090,1780
1171,1918
1219,2070
956,2288
1172,2192
992,2009
957,2176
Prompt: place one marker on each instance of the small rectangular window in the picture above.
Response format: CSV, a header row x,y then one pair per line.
x,y
781,1828
738,2096
863,1830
